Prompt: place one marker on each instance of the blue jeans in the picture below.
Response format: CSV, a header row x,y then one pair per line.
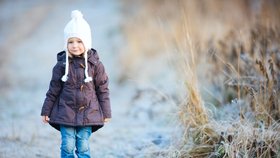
x,y
72,137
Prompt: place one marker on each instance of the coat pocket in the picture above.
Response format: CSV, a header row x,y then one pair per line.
x,y
65,113
94,113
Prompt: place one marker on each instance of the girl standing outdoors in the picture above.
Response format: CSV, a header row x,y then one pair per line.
x,y
77,102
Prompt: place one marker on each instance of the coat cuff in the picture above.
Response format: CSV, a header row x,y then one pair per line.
x,y
106,115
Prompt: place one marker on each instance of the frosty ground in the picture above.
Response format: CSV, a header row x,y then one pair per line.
x,y
31,35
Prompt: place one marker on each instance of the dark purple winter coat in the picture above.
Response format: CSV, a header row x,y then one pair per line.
x,y
74,102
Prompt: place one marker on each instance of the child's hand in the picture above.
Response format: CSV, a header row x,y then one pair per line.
x,y
107,120
45,119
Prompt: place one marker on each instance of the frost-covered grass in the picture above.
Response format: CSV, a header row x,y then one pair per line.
x,y
187,78
229,67
251,127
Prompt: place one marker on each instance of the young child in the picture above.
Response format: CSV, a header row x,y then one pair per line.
x,y
77,102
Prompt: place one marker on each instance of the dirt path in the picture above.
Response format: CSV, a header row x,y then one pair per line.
x,y
37,37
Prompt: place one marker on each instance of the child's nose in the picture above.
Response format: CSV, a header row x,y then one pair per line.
x,y
75,44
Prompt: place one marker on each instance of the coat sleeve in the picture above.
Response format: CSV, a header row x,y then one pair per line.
x,y
53,92
102,91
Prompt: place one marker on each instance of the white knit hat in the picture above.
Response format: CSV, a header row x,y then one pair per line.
x,y
79,28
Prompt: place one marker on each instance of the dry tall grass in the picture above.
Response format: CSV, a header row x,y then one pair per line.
x,y
255,131
249,70
240,70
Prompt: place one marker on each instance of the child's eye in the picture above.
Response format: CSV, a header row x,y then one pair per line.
x,y
70,42
79,41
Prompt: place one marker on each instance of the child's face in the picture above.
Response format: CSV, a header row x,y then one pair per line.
x,y
75,46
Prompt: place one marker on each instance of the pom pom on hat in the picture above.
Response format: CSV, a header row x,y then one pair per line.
x,y
77,27
76,14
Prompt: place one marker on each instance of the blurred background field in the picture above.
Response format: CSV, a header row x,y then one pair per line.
x,y
187,78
